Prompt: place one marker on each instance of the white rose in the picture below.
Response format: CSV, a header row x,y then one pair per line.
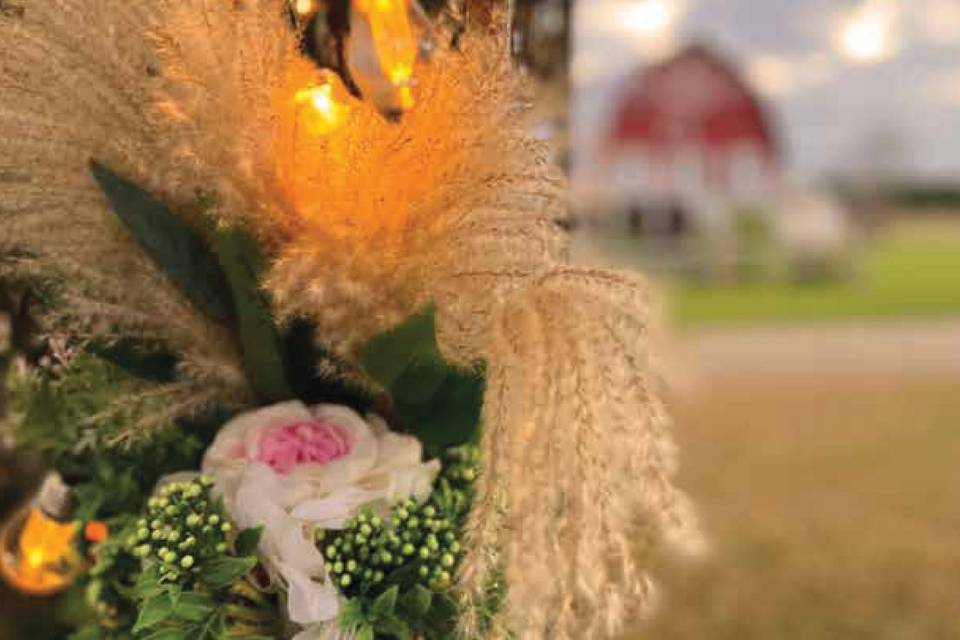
x,y
294,469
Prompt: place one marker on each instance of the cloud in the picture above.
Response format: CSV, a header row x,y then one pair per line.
x,y
778,76
945,88
636,27
938,21
870,32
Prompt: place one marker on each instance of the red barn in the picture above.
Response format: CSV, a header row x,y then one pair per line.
x,y
688,141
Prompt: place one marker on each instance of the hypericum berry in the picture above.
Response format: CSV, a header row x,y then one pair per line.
x,y
186,562
447,560
345,580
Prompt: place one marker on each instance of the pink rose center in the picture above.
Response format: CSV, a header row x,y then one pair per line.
x,y
315,441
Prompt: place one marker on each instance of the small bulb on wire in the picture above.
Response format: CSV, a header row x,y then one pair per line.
x,y
303,7
324,104
383,50
36,545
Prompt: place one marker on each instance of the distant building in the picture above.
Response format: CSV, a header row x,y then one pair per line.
x,y
689,144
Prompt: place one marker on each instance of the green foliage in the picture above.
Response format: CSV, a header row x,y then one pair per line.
x,y
225,284
109,584
186,534
153,363
436,402
177,249
259,339
179,572
50,416
397,572
303,353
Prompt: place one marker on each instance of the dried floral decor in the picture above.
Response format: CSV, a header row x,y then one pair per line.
x,y
414,418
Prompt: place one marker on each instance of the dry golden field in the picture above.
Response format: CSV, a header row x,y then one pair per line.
x,y
833,506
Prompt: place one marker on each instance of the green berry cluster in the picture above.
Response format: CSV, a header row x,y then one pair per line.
x,y
415,544
184,525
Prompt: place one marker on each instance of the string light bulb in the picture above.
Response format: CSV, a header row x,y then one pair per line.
x,y
36,545
324,104
303,7
383,51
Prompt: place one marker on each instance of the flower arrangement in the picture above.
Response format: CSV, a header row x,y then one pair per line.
x,y
319,382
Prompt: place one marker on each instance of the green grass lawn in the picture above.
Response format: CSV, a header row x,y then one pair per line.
x,y
910,269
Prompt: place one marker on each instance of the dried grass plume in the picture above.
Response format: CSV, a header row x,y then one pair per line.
x,y
457,205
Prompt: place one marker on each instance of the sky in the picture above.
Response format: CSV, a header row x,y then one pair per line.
x,y
852,85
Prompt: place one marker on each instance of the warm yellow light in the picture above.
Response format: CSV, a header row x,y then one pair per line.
x,y
324,111
649,17
868,34
394,41
303,7
37,553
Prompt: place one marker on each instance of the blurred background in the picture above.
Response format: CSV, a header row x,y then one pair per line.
x,y
787,174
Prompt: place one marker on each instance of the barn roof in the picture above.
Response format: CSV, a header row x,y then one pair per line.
x,y
695,96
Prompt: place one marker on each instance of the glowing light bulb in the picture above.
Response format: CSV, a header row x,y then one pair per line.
x,y
648,16
868,34
383,52
36,545
325,109
303,7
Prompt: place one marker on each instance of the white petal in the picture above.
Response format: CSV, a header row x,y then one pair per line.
x,y
284,539
308,601
239,440
413,481
398,450
309,480
332,511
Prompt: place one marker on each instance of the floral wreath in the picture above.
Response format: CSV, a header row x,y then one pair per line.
x,y
315,363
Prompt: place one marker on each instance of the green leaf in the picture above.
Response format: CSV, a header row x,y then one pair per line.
x,y
153,612
443,611
139,360
385,603
194,607
174,633
262,354
365,632
351,614
416,601
302,354
91,632
248,540
219,573
148,584
175,247
435,401
394,627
